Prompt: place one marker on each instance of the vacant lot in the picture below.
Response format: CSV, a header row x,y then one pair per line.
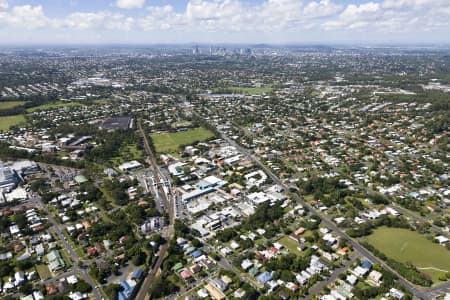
x,y
170,142
43,271
10,104
8,121
291,245
54,105
408,246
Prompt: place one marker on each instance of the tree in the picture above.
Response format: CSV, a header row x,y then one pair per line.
x,y
112,290
5,269
162,287
139,258
82,287
20,220
196,243
26,288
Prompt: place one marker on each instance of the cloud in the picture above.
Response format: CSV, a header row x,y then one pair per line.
x,y
217,18
162,18
100,20
3,4
130,4
26,16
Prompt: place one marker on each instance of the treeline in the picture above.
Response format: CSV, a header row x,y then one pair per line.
x,y
264,215
366,228
29,101
202,123
7,153
110,144
77,130
408,271
118,190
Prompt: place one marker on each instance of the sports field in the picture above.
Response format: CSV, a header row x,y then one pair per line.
x,y
11,104
170,142
409,246
54,105
7,121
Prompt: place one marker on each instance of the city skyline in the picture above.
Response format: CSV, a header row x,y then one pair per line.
x,y
224,21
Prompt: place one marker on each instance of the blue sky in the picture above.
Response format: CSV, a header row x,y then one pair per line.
x,y
224,21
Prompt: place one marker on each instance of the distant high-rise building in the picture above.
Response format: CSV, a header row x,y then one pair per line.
x,y
196,51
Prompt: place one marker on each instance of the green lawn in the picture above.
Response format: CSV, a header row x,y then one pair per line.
x,y
10,104
291,245
8,121
43,271
245,90
170,142
53,105
409,246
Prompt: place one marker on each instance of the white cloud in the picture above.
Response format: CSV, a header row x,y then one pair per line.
x,y
321,9
99,20
292,18
4,4
130,4
26,16
212,10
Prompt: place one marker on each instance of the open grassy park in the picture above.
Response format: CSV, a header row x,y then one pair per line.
x,y
127,153
246,90
8,121
53,105
170,142
10,104
408,246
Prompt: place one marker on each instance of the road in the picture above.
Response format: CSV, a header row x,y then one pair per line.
x,y
168,203
413,215
74,257
334,275
181,294
418,293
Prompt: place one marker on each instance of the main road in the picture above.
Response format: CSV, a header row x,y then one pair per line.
x,y
418,293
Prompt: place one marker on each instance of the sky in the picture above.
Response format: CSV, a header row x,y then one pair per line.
x,y
224,21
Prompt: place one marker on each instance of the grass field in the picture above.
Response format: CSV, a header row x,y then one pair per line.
x,y
43,271
408,246
10,104
54,105
7,121
246,90
170,142
291,245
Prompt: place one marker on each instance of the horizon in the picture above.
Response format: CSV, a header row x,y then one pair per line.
x,y
341,45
